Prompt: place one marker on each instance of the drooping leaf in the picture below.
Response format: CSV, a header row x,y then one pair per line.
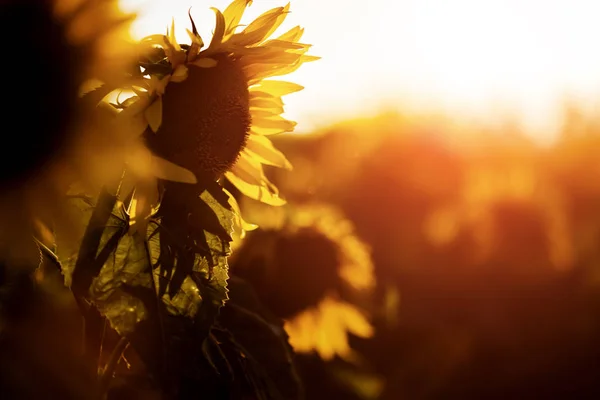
x,y
104,260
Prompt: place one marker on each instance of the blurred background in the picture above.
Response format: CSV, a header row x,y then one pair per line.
x,y
442,233
458,140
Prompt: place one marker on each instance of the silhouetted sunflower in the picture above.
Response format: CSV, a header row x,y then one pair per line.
x,y
66,47
310,269
211,109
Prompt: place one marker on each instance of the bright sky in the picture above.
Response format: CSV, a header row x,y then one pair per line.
x,y
472,58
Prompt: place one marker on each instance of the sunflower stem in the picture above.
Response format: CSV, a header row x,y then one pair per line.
x,y
108,371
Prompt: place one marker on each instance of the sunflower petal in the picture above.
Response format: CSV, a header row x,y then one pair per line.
x,y
256,192
293,35
285,45
262,102
272,111
278,58
153,114
217,38
356,322
205,62
164,169
233,14
262,113
154,40
276,88
262,27
180,74
278,123
195,38
283,69
249,169
262,147
171,36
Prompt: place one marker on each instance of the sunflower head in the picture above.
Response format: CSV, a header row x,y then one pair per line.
x,y
211,108
206,119
309,267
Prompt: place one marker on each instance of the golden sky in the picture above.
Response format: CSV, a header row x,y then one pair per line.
x,y
473,58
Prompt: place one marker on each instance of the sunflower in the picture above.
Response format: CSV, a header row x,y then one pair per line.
x,y
211,109
310,269
194,109
65,46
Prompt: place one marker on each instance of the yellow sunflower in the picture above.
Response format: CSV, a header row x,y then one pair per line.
x,y
65,48
310,269
211,109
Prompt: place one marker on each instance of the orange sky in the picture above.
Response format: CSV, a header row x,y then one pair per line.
x,y
472,58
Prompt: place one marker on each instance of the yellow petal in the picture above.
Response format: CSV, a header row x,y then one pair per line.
x,y
153,114
249,169
263,113
205,62
280,70
153,40
262,102
277,123
164,169
180,74
217,38
135,105
233,14
276,58
285,45
255,192
262,27
262,147
277,88
356,322
293,35
172,39
196,39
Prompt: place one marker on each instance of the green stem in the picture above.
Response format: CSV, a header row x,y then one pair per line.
x,y
109,370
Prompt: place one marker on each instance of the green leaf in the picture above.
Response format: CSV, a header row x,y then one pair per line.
x,y
103,259
107,266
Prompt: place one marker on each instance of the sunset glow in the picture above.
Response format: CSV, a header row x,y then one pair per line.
x,y
475,59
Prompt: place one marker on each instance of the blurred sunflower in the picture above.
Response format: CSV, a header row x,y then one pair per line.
x,y
211,109
69,46
310,269
505,206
